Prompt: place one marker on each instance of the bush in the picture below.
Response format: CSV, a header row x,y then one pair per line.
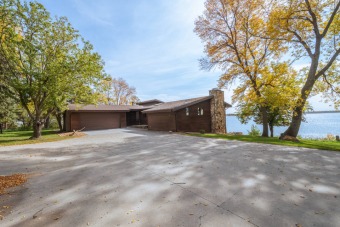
x,y
254,131
202,131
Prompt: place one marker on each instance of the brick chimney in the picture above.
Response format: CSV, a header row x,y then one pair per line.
x,y
218,121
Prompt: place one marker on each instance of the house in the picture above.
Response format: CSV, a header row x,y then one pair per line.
x,y
190,115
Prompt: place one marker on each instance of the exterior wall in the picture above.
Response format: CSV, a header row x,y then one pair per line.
x,y
218,116
194,122
122,120
161,121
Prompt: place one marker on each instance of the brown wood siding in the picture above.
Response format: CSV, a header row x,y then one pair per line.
x,y
123,120
95,120
161,121
194,122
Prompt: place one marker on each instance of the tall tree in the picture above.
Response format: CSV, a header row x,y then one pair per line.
x,y
310,28
228,28
119,92
45,60
280,92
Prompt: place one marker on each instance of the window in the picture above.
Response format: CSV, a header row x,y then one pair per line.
x,y
187,111
199,111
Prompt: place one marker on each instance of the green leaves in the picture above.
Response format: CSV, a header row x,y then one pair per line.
x,y
45,61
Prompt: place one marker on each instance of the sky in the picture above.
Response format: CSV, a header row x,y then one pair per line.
x,y
149,43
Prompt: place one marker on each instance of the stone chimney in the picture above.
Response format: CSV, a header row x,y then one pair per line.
x,y
218,121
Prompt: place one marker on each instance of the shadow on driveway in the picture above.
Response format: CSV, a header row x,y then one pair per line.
x,y
134,177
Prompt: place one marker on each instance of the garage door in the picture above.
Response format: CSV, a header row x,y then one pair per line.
x,y
95,121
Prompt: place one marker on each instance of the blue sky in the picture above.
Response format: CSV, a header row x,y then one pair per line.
x,y
149,43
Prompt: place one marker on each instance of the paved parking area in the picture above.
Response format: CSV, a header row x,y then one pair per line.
x,y
133,177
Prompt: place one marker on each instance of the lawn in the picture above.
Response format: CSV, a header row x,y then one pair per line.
x,y
11,137
308,143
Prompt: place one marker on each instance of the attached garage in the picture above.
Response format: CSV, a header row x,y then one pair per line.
x,y
95,120
92,117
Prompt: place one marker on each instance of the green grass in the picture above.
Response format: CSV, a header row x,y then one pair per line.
x,y
11,137
308,143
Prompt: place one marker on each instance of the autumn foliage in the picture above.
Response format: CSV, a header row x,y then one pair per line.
x,y
250,41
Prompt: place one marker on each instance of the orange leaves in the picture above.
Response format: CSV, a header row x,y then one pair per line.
x,y
11,181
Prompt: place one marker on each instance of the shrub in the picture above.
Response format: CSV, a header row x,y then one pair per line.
x,y
254,131
202,131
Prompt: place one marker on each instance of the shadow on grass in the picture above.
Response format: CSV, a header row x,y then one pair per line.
x,y
316,144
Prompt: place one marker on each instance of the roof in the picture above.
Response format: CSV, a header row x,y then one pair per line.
x,y
160,107
117,108
176,105
149,101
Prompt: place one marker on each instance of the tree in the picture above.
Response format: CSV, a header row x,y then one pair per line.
x,y
7,108
45,61
281,90
311,30
118,92
228,28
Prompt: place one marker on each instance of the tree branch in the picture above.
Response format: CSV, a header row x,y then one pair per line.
x,y
324,76
330,20
304,44
315,20
324,69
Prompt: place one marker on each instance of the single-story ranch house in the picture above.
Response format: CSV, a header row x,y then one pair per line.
x,y
190,115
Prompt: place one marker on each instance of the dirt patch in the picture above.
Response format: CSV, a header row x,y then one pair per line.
x,y
11,181
74,134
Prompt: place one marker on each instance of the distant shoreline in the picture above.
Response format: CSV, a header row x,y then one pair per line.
x,y
312,112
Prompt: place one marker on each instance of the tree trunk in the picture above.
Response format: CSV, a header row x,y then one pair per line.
x,y
0,128
271,128
47,122
37,128
295,124
59,120
264,122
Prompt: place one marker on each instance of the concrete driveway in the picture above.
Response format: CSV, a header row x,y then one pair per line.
x,y
131,177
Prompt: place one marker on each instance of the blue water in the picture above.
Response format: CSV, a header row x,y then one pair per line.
x,y
317,125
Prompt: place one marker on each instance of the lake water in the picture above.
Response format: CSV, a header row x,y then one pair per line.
x,y
317,125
